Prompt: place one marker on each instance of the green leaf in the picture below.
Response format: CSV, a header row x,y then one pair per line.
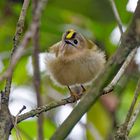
x,y
28,129
101,119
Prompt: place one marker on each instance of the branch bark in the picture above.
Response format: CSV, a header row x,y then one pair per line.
x,y
124,129
118,76
133,118
36,68
5,116
39,110
6,119
116,14
17,36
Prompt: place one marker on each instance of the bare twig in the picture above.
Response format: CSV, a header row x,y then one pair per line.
x,y
45,108
116,14
109,88
17,55
15,123
133,118
18,52
20,111
4,112
136,94
20,24
36,68
19,30
123,130
115,80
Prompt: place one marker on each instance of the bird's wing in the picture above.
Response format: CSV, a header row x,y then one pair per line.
x,y
91,45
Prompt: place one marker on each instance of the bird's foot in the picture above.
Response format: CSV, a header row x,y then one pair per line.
x,y
75,94
73,98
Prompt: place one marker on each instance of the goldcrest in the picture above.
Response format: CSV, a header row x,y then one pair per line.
x,y
74,60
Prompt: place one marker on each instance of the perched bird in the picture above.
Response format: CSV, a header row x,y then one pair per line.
x,y
74,60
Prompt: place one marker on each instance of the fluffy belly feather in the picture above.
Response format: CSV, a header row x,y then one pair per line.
x,y
77,71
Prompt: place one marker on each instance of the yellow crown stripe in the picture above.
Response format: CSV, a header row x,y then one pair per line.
x,y
70,34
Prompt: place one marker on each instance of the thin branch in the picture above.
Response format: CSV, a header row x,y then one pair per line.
x,y
133,118
15,58
115,80
130,111
36,68
16,55
15,123
20,25
45,108
4,112
20,111
124,129
17,36
116,14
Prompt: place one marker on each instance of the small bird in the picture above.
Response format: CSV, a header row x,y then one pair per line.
x,y
74,60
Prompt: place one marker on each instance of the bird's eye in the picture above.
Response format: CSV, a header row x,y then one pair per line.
x,y
75,41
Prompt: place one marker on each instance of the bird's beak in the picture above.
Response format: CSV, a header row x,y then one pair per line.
x,y
68,42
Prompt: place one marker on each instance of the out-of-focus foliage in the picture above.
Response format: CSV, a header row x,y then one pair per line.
x,y
125,102
28,129
94,19
97,116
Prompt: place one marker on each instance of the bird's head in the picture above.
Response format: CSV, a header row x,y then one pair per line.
x,y
72,42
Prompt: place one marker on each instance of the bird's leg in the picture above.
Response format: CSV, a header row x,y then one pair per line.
x,y
74,94
83,88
